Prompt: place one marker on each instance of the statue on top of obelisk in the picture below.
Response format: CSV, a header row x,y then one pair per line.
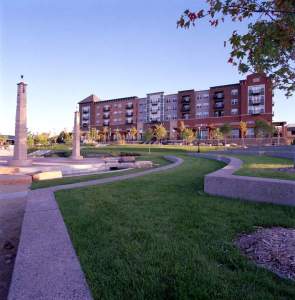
x,y
20,156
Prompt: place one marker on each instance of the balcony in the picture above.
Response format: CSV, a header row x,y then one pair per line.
x,y
154,120
218,96
106,108
129,114
256,92
218,113
106,116
185,100
256,111
219,105
154,103
128,122
186,108
129,105
85,110
106,123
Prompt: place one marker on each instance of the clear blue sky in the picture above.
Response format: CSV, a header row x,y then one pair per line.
x,y
112,48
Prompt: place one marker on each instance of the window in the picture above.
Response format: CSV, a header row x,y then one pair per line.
x,y
234,111
234,101
234,92
235,133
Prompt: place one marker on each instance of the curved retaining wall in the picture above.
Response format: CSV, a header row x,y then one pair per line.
x,y
223,183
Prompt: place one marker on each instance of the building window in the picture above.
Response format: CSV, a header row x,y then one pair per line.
x,y
234,92
234,111
235,133
234,101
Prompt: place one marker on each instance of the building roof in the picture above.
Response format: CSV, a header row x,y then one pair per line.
x,y
91,98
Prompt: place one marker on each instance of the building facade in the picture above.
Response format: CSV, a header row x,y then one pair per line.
x,y
248,101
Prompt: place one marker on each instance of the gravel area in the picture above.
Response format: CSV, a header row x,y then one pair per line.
x,y
11,217
271,248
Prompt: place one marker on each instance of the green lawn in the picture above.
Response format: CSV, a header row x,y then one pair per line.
x,y
156,158
161,237
264,166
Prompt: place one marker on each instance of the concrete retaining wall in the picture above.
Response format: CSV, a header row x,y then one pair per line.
x,y
224,183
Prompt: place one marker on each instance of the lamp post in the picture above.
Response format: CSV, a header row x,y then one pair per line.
x,y
198,137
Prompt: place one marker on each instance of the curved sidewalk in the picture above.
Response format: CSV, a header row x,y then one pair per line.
x,y
224,183
46,266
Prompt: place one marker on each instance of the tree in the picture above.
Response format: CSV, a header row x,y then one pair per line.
x,y
188,135
105,132
217,134
262,128
225,129
93,134
243,130
148,135
41,138
3,139
30,139
181,128
269,44
160,132
133,133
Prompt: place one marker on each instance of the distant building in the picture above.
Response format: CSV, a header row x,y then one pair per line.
x,y
249,100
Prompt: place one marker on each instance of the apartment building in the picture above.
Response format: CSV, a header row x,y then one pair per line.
x,y
202,110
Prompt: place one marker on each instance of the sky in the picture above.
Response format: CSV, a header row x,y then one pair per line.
x,y
67,50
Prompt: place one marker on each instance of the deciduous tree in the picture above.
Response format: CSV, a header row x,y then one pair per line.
x,y
269,44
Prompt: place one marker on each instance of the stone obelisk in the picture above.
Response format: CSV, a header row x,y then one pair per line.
x,y
76,138
20,156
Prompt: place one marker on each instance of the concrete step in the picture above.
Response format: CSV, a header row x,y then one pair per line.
x,y
15,179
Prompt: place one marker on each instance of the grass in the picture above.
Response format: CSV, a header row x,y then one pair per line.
x,y
264,166
156,158
161,237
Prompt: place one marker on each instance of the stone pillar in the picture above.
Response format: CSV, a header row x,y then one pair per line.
x,y
76,138
20,156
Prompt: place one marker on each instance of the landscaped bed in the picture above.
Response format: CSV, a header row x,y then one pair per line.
x,y
161,237
265,166
156,158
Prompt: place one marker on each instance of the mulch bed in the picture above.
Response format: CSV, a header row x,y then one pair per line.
x,y
271,248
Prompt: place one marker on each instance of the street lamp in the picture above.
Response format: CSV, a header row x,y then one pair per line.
x,y
199,137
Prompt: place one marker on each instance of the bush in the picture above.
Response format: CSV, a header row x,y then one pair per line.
x,y
129,154
60,153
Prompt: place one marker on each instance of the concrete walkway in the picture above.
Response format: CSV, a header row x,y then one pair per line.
x,y
46,265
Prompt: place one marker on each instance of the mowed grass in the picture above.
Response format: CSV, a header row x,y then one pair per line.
x,y
161,237
265,166
156,158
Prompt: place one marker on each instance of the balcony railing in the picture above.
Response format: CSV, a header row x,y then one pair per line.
x,y
218,96
106,116
106,108
85,110
129,114
185,108
256,111
219,105
106,123
185,100
129,105
256,92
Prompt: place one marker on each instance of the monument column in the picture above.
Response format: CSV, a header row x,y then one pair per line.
x,y
20,156
76,138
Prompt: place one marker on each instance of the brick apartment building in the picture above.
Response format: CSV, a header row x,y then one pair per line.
x,y
248,100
